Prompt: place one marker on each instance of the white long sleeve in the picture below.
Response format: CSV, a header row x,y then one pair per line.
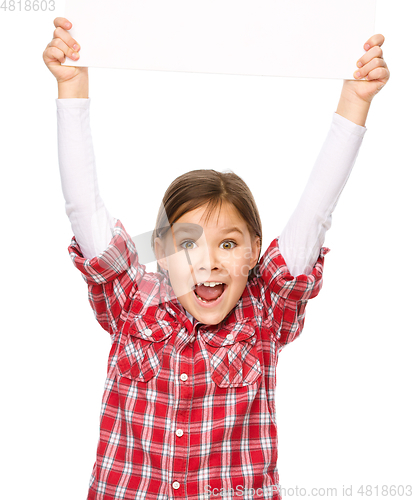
x,y
91,222
302,237
304,234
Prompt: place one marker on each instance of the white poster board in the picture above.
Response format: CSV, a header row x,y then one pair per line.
x,y
293,38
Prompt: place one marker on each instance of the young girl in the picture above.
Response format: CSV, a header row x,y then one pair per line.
x,y
188,410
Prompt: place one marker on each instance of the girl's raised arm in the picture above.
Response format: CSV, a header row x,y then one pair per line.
x,y
302,238
90,220
304,234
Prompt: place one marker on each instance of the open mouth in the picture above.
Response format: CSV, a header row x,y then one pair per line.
x,y
209,294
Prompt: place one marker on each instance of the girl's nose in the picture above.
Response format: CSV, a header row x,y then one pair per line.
x,y
208,259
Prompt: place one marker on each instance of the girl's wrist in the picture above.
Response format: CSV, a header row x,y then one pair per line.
x,y
352,107
73,89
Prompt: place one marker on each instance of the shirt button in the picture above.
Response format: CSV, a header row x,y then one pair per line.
x,y
147,331
183,377
229,336
176,485
179,432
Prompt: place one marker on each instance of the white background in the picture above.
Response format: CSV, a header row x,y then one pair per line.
x,y
345,387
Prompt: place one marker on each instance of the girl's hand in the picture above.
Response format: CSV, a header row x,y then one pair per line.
x,y
373,72
63,45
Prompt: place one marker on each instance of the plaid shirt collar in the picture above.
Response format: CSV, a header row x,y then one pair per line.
x,y
238,325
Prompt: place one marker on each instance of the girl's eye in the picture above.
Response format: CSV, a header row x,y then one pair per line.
x,y
228,243
187,241
187,244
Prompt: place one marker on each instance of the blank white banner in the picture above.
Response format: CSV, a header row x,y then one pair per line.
x,y
293,38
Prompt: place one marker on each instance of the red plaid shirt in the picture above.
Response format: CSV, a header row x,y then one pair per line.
x,y
188,411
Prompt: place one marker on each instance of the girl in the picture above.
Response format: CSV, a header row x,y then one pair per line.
x,y
188,409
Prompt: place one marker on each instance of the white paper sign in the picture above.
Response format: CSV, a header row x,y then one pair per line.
x,y
294,38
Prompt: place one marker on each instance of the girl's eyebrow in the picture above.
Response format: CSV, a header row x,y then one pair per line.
x,y
187,228
191,229
233,229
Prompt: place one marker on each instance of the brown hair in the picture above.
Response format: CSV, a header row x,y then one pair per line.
x,y
198,187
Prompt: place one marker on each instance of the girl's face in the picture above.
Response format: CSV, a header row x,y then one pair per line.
x,y
221,251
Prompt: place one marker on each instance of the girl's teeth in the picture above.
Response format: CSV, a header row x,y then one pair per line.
x,y
211,283
202,300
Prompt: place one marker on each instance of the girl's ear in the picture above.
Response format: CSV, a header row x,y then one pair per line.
x,y
255,252
160,253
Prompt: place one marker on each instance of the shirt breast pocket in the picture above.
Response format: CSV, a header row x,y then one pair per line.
x,y
140,356
233,357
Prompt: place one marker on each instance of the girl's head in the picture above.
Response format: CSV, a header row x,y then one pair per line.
x,y
208,229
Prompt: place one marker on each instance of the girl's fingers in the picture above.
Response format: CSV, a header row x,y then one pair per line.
x,y
62,22
65,36
53,53
368,56
374,40
378,74
372,65
60,44
378,62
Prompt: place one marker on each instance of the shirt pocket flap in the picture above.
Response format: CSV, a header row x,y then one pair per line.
x,y
140,356
150,329
229,334
233,357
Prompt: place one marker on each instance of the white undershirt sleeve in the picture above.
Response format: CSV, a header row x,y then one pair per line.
x,y
91,222
302,238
